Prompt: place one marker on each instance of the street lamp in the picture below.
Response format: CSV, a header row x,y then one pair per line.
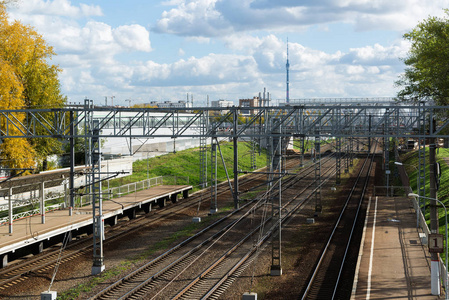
x,y
436,280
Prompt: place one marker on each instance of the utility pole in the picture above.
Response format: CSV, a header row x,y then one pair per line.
x,y
236,160
72,165
276,197
434,228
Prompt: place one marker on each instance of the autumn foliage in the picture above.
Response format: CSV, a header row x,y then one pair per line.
x,y
27,80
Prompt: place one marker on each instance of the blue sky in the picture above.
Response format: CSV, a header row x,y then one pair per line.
x,y
225,49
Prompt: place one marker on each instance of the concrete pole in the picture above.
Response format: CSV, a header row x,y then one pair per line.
x,y
42,201
236,162
10,209
434,257
72,166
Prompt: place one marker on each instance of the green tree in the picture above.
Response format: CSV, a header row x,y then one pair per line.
x,y
27,80
426,76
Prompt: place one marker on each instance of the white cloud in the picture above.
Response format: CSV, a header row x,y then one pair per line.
x,y
95,54
172,2
195,18
217,18
133,37
58,8
377,54
365,71
242,42
208,70
351,70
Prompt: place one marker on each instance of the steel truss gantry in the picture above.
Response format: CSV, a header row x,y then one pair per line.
x,y
403,121
353,120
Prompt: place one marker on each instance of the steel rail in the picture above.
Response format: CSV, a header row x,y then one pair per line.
x,y
262,240
17,273
150,279
185,242
247,256
362,196
325,249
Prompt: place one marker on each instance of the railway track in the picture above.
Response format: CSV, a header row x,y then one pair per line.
x,y
327,278
214,281
151,280
18,273
45,261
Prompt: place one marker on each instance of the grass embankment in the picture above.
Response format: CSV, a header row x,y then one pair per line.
x,y
186,163
411,159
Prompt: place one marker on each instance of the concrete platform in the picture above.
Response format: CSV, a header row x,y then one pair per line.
x,y
393,264
31,236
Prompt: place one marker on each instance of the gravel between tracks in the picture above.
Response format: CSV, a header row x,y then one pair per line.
x,y
300,243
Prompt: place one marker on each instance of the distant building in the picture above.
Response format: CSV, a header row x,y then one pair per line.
x,y
248,103
169,104
222,103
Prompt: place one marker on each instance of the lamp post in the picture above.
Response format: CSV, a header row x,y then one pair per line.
x,y
445,216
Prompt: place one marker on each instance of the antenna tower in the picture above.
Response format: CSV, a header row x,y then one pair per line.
x,y
287,66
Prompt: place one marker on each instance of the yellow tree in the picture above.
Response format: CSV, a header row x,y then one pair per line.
x,y
17,152
28,81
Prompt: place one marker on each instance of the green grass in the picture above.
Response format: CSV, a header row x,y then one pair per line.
x,y
443,191
186,163
309,144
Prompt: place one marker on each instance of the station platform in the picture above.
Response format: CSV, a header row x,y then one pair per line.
x,y
31,235
393,263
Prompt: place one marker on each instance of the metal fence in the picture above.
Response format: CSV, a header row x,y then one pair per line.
x,y
61,199
421,224
391,191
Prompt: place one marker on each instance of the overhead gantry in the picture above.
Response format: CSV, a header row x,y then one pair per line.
x,y
269,127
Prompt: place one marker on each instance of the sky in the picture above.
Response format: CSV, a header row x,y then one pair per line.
x,y
137,51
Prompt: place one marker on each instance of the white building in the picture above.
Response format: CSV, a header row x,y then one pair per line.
x,y
222,103
169,104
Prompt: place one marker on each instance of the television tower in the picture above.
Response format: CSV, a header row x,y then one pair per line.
x,y
287,66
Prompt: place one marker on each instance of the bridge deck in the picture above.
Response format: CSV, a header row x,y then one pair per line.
x,y
29,232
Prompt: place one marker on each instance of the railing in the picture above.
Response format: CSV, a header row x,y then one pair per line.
x,y
425,230
19,204
391,191
394,191
81,201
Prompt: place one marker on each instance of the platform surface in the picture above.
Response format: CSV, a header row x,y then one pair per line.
x,y
30,230
393,263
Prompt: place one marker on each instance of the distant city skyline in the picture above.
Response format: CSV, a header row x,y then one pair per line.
x,y
228,49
